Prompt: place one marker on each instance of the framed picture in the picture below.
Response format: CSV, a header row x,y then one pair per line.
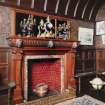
x,y
41,26
34,25
100,28
63,29
85,36
103,39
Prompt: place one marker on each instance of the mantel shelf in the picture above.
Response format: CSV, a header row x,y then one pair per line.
x,y
41,42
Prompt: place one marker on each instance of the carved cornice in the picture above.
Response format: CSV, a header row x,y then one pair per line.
x,y
22,42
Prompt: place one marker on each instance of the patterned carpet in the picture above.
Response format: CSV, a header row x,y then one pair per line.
x,y
84,100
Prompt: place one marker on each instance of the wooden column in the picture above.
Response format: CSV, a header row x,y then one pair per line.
x,y
15,73
70,66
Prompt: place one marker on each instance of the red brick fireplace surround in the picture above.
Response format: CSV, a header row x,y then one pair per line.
x,y
35,61
44,69
47,70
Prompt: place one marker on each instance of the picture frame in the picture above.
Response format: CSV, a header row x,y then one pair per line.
x,y
103,39
100,28
85,35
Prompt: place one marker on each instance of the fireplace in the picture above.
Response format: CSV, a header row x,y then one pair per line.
x,y
34,62
48,69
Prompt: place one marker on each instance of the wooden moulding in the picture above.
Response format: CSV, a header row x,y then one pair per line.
x,y
20,42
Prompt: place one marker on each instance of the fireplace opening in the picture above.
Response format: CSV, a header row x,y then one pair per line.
x,y
44,71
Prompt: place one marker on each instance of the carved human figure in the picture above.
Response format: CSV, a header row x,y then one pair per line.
x,y
30,23
59,31
26,26
63,31
23,26
41,29
48,27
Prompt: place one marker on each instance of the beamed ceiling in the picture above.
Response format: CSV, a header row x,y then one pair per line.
x,y
76,9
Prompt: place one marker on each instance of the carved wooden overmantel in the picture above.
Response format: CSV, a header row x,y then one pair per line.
x,y
22,46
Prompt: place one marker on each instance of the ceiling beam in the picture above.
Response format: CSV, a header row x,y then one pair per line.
x,y
93,9
57,5
18,2
45,5
32,4
91,12
76,7
84,9
67,5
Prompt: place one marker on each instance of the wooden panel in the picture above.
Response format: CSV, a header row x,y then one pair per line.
x,y
4,75
4,66
81,8
51,5
72,7
62,7
89,8
25,3
39,5
70,66
100,60
85,61
3,57
12,2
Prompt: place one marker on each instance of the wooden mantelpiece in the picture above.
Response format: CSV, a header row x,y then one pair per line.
x,y
41,42
30,46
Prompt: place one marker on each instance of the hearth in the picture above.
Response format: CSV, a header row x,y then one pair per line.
x,y
48,69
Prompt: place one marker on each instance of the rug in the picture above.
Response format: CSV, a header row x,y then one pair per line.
x,y
84,100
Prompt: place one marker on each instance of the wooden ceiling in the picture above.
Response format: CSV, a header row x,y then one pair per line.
x,y
76,9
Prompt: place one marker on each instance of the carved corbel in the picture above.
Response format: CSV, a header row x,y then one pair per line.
x,y
17,53
15,42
